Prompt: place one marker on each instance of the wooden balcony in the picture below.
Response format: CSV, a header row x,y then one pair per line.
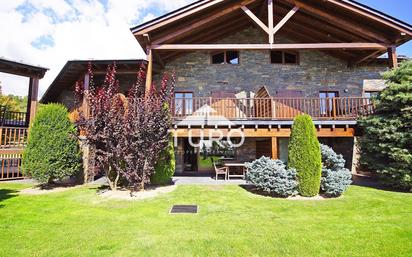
x,y
13,139
13,119
286,109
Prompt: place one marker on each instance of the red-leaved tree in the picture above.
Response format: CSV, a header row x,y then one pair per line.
x,y
126,134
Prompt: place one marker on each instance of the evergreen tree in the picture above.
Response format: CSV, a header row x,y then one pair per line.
x,y
305,155
52,151
386,144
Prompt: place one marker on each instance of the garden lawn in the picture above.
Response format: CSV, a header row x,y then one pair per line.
x,y
231,222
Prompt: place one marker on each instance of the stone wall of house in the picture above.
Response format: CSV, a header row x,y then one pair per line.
x,y
343,146
316,72
247,152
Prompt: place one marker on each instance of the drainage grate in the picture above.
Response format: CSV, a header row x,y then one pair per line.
x,y
176,209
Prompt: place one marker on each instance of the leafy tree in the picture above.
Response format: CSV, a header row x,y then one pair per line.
x,y
127,134
165,166
305,156
52,151
386,144
146,128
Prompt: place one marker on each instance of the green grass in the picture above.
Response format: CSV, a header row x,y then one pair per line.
x,y
232,222
206,164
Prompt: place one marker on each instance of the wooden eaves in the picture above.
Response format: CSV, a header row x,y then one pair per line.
x,y
346,29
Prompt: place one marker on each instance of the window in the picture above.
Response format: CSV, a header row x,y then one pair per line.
x,y
282,57
183,103
371,94
326,102
228,57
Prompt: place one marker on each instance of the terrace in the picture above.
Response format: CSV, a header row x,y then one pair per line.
x,y
270,108
14,125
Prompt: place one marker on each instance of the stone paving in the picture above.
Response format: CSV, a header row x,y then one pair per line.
x,y
205,180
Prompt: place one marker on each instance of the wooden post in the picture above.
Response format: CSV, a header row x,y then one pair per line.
x,y
149,71
86,87
275,153
270,21
32,100
392,57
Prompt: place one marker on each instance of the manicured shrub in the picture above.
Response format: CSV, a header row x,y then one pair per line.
x,y
335,177
52,151
304,155
330,159
386,144
272,176
165,166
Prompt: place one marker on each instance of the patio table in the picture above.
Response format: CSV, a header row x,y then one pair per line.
x,y
236,166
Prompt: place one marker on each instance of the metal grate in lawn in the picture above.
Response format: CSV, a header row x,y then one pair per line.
x,y
181,209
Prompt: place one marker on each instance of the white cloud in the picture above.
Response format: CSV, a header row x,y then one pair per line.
x,y
84,29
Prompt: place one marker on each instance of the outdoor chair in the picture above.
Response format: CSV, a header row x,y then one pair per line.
x,y
220,170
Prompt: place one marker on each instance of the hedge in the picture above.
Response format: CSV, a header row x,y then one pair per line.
x,y
165,166
52,151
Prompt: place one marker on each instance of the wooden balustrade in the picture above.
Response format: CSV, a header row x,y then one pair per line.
x,y
12,142
13,119
10,164
271,108
13,137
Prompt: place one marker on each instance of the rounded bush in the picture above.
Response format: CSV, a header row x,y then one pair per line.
x,y
272,176
335,177
304,155
165,166
335,182
52,151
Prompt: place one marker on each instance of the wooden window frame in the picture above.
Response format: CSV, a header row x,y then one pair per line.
x,y
184,110
370,91
328,102
297,53
224,57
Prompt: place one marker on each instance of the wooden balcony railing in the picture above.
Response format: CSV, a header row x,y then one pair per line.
x,y
12,119
339,108
12,142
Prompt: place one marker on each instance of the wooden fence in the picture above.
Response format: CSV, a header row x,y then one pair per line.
x,y
273,108
12,142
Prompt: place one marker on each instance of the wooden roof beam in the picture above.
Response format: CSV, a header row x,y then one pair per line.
x,y
326,28
271,22
179,16
305,46
285,19
213,36
340,21
375,17
254,18
201,22
364,58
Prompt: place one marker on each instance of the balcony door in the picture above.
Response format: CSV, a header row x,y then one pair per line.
x,y
183,104
326,102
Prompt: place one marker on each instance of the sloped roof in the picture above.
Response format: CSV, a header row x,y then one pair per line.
x,y
332,21
21,69
75,69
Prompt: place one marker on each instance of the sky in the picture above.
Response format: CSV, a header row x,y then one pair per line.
x,y
48,33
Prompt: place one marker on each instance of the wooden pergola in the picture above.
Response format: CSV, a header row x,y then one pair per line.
x,y
14,132
343,28
35,73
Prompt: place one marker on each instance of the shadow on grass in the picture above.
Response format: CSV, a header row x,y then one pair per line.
x,y
373,182
254,190
7,194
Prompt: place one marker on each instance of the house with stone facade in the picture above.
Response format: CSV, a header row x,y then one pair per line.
x,y
246,68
